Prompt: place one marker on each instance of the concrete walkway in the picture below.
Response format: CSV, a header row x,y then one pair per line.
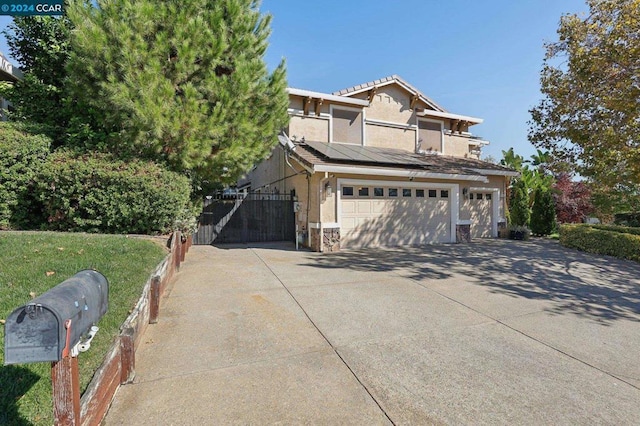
x,y
497,332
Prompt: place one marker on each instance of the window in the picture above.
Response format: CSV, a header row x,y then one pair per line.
x,y
487,196
430,135
479,196
432,193
347,191
406,192
378,192
393,192
420,193
444,193
347,126
363,192
471,195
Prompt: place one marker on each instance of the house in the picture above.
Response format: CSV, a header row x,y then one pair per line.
x,y
380,165
7,73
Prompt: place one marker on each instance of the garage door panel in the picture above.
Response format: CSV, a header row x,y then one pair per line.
x,y
388,222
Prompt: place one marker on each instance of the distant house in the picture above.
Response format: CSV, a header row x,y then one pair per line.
x,y
7,73
381,165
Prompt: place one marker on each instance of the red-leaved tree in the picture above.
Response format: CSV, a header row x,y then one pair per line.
x,y
572,199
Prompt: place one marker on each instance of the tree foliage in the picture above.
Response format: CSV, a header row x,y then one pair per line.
x,y
590,113
572,199
42,47
182,83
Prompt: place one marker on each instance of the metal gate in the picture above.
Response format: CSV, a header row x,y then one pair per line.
x,y
246,218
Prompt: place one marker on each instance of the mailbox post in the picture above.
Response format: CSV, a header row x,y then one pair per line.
x,y
55,327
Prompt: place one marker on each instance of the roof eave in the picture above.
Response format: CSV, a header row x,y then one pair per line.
x,y
327,97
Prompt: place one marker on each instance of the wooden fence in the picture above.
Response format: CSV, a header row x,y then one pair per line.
x,y
118,367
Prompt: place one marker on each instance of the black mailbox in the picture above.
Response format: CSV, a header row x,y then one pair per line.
x,y
54,322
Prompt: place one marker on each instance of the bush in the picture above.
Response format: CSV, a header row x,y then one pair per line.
x,y
592,239
627,219
543,213
519,206
23,149
97,193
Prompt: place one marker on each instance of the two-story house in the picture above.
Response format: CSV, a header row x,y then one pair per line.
x,y
380,165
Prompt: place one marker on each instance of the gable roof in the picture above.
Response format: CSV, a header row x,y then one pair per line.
x,y
392,79
323,156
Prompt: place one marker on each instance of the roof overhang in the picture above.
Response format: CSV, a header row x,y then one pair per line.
x,y
439,114
327,97
497,172
383,171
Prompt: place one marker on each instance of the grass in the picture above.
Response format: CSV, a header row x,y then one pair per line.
x,y
31,263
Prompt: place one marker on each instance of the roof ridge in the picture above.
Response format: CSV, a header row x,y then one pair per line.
x,y
390,78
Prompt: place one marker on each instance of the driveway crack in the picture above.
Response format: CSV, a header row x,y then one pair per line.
x,y
335,350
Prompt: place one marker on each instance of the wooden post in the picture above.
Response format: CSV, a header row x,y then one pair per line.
x,y
127,356
154,303
66,391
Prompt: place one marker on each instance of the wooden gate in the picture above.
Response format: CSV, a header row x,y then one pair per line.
x,y
246,218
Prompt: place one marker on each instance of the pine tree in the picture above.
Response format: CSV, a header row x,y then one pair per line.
x,y
182,82
543,214
519,205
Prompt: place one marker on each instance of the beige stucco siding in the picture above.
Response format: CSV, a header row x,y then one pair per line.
x,y
310,127
390,103
390,137
497,182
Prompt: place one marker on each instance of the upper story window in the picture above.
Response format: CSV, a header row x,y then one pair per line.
x,y
430,135
346,125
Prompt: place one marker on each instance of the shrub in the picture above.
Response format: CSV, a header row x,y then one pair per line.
x,y
519,207
627,219
23,149
592,239
96,193
543,213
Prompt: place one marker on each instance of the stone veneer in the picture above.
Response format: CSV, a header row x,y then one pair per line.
x,y
463,233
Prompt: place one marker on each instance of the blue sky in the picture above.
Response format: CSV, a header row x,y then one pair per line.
x,y
477,58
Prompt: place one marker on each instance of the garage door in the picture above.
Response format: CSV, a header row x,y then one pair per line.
x,y
388,216
481,214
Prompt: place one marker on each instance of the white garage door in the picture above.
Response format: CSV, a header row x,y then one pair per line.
x,y
388,216
481,214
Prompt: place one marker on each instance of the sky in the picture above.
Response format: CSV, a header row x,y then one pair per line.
x,y
475,58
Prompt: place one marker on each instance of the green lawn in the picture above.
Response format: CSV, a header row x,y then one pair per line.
x,y
31,263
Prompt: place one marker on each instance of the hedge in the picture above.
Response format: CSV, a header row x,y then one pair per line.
x,y
592,239
96,193
22,152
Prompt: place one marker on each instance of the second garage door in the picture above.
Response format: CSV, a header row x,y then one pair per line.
x,y
389,216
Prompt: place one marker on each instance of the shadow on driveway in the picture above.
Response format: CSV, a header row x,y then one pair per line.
x,y
601,288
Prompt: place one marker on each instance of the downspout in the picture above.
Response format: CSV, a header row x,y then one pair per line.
x,y
326,177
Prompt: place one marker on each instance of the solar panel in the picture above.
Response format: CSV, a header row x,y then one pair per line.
x,y
366,154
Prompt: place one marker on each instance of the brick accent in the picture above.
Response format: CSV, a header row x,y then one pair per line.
x,y
463,233
331,240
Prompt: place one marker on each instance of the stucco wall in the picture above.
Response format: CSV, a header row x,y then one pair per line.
x,y
312,128
390,137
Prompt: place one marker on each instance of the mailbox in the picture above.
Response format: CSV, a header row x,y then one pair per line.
x,y
50,325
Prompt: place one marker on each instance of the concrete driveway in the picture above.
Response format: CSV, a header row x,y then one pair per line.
x,y
494,332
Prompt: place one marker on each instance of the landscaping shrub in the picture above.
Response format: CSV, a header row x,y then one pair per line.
x,y
519,205
592,239
543,213
22,151
627,219
97,193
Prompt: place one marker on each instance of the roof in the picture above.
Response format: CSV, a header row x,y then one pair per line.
x,y
327,97
386,81
318,154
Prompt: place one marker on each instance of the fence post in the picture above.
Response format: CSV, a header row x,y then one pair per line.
x,y
127,356
65,379
154,303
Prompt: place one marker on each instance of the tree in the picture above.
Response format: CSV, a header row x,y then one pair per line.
x,y
182,83
41,45
572,199
590,113
519,204
543,215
